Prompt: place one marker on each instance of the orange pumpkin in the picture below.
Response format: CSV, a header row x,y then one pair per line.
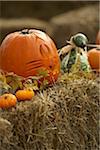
x,y
28,51
98,38
94,59
25,94
7,100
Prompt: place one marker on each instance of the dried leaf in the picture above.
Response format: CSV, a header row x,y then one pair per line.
x,y
31,84
44,84
14,81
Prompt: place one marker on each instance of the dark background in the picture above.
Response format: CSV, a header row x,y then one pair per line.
x,y
16,15
39,9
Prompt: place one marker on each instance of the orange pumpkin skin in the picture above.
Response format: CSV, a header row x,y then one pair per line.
x,y
7,100
94,59
98,38
27,52
25,94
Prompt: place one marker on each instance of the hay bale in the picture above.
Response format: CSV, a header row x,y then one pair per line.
x,y
61,117
5,132
84,20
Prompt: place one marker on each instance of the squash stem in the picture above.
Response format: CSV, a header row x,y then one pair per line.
x,y
93,45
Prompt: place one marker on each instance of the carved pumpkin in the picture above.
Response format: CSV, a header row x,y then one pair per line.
x,y
28,51
94,59
7,100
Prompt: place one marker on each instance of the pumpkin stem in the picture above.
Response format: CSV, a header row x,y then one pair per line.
x,y
5,97
25,31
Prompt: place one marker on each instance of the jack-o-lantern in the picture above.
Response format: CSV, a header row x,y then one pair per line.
x,y
27,52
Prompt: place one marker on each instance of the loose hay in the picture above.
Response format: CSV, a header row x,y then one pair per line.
x,y
62,117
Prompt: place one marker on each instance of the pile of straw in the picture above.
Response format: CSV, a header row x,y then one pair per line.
x,y
64,116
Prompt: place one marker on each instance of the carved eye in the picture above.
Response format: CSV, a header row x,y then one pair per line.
x,y
44,50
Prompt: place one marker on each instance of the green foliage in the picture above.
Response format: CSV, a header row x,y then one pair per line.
x,y
43,72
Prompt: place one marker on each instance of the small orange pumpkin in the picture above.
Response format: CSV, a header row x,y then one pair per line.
x,y
98,38
25,94
94,59
28,51
7,100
